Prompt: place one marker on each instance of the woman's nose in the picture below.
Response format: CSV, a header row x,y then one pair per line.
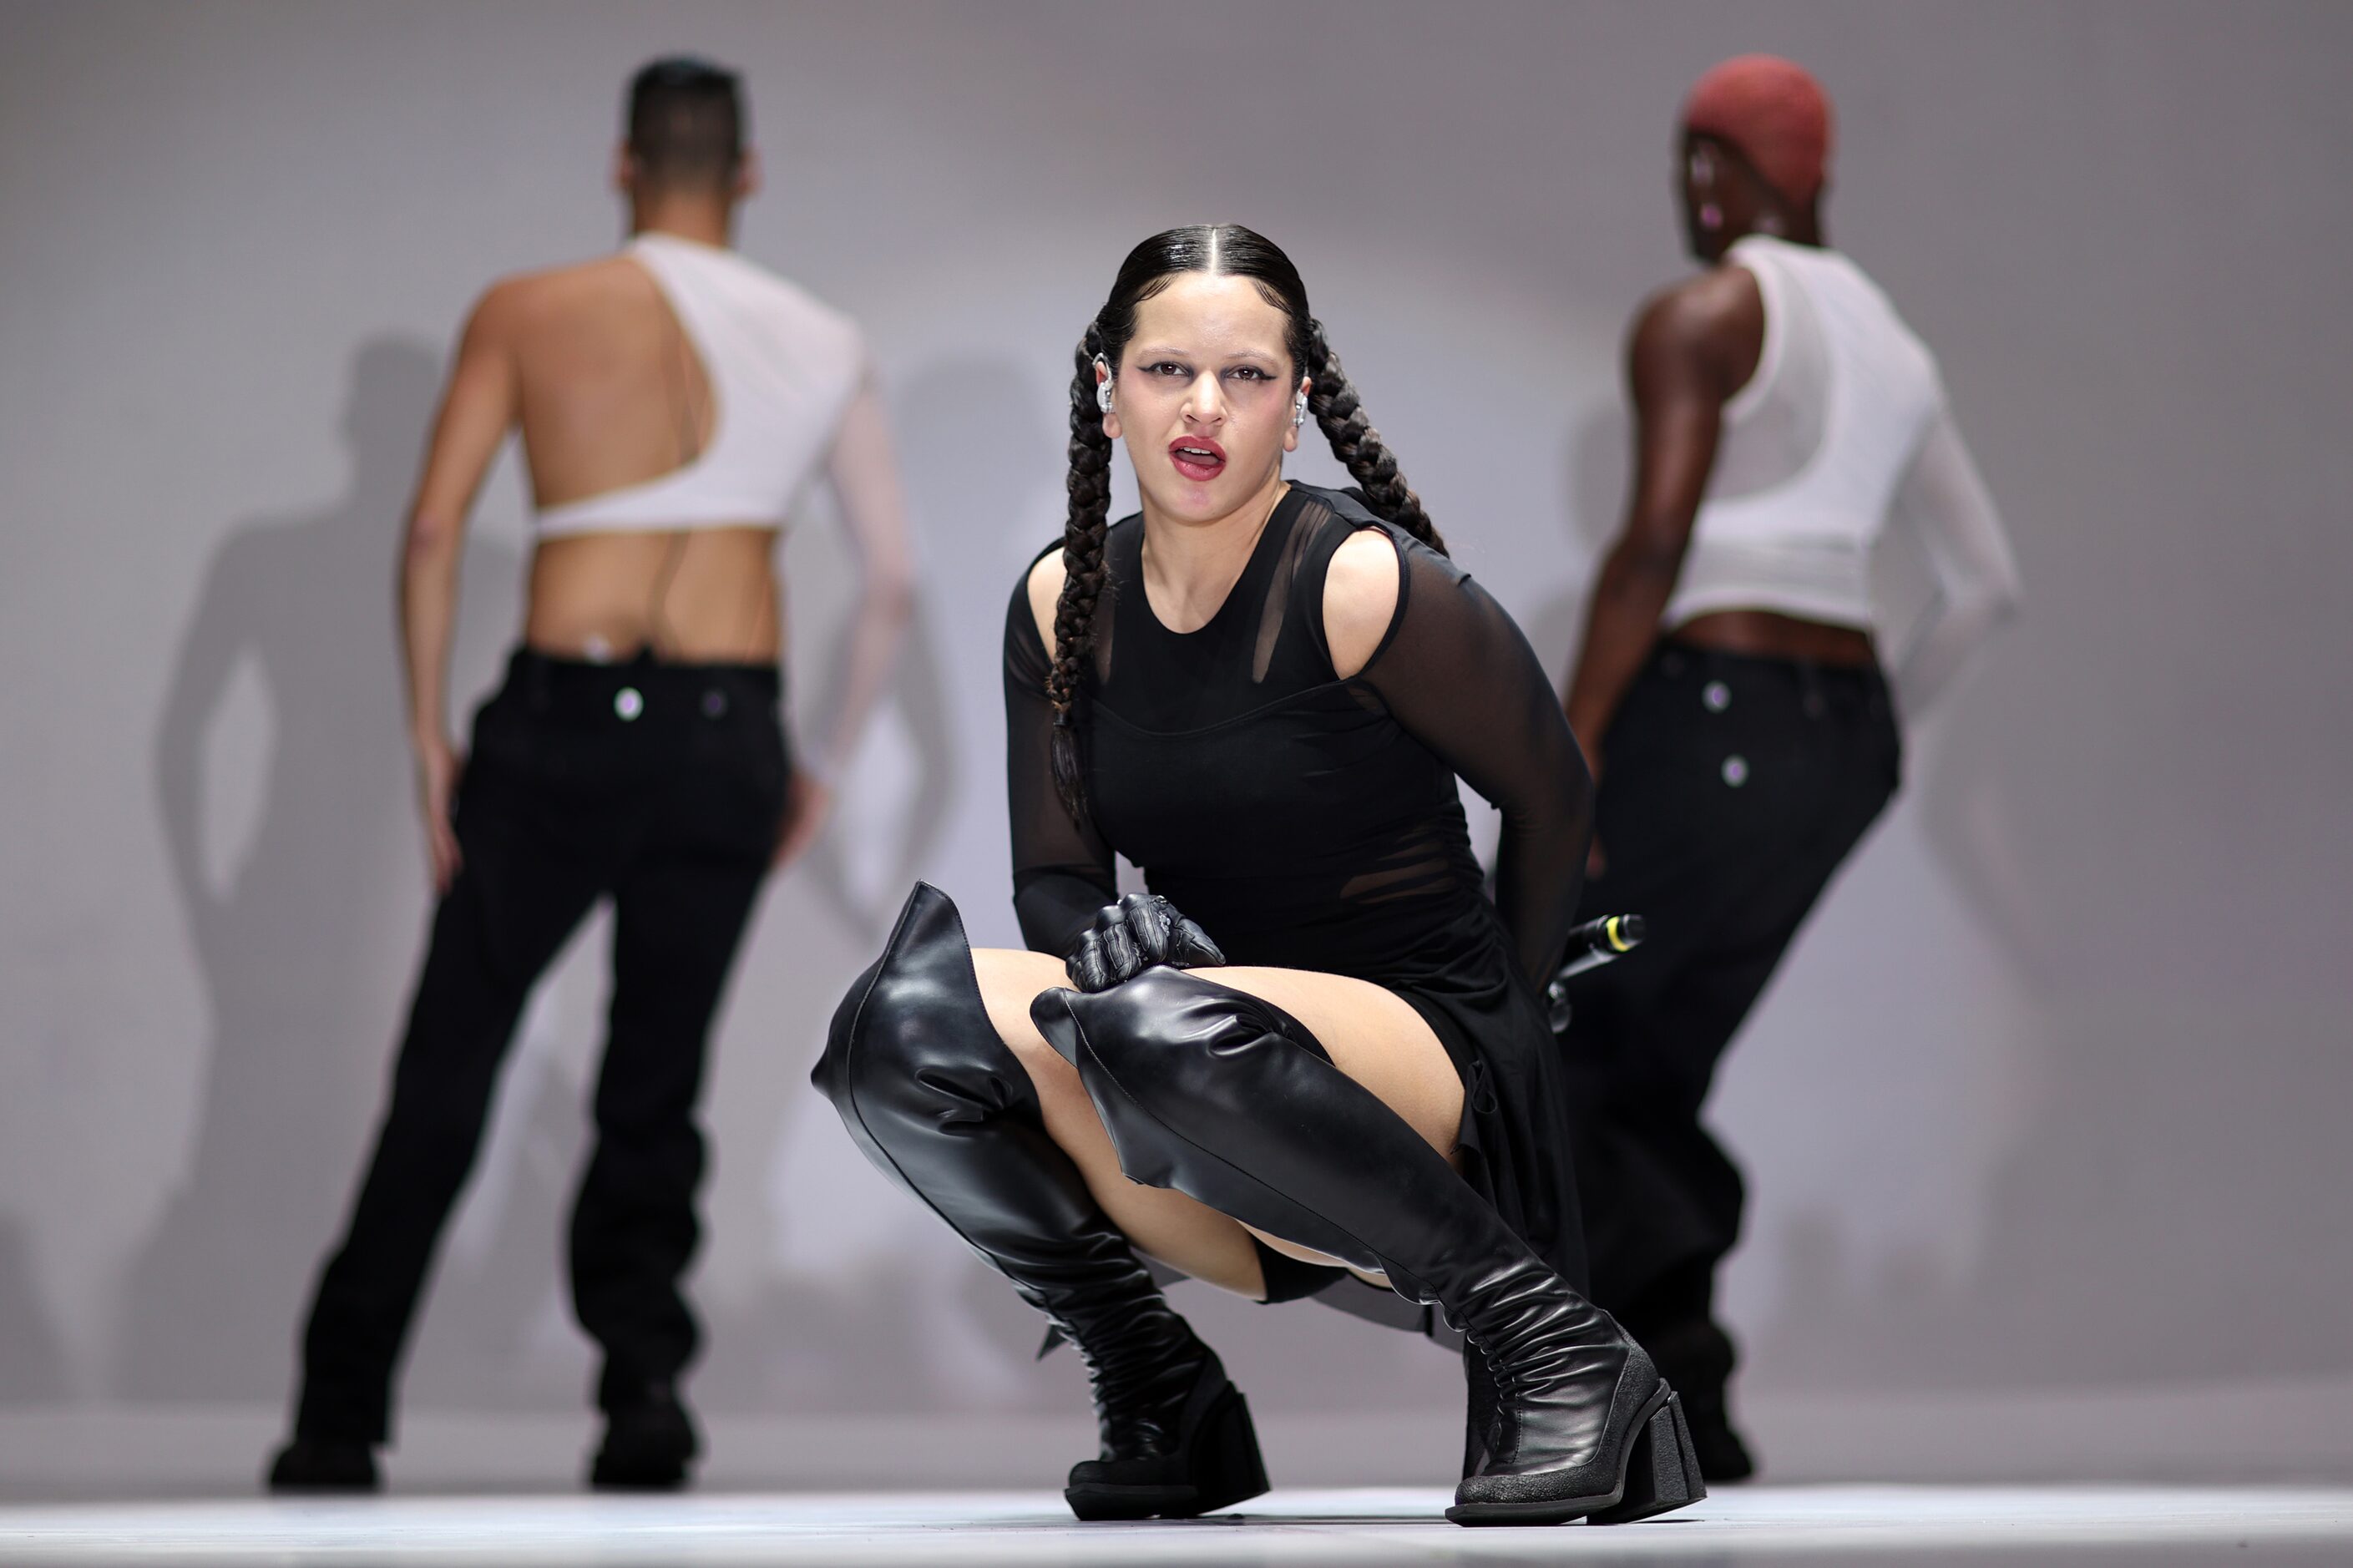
x,y
1205,401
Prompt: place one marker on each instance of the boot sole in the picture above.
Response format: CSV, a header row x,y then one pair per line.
x,y
1223,1457
1661,1473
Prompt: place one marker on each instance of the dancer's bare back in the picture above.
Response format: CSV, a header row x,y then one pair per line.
x,y
590,363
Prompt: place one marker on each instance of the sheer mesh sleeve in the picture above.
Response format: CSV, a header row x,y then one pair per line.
x,y
1063,870
1945,505
1457,674
865,480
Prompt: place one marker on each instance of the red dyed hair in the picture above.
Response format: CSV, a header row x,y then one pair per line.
x,y
1775,113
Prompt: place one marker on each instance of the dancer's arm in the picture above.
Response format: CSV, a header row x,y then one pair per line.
x,y
477,408
1945,502
1691,350
864,477
1063,871
1453,669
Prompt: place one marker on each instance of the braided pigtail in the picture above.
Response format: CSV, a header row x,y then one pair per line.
x,y
1083,566
1356,443
1225,249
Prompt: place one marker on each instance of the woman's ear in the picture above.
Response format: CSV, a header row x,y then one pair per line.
x,y
1299,414
1104,388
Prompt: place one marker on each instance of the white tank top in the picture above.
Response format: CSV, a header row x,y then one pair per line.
x,y
783,368
1813,448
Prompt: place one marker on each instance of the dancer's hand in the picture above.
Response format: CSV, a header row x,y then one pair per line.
x,y
438,767
1131,936
807,804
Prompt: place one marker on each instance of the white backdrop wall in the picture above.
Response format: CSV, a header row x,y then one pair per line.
x,y
2050,1093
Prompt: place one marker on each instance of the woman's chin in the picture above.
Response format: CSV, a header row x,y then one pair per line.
x,y
1182,499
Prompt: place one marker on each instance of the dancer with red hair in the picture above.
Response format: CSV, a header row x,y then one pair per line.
x,y
1730,690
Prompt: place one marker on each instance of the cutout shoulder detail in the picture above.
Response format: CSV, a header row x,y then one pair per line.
x,y
1362,590
1044,585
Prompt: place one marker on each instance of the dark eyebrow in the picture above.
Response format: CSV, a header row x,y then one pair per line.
x,y
1254,356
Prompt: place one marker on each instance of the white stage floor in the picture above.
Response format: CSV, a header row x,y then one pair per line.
x,y
1849,1526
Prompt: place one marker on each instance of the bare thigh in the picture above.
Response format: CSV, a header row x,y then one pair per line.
x,y
1372,1035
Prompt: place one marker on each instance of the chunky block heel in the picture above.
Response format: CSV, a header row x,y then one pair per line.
x,y
1215,1466
1226,1461
1661,1469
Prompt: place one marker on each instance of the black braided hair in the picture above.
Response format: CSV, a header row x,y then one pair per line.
x,y
1082,562
1333,402
1226,249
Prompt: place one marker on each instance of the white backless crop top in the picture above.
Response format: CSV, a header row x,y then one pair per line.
x,y
783,369
1813,447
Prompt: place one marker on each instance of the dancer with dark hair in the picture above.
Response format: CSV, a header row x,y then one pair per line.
x,y
1334,1057
1785,418
673,402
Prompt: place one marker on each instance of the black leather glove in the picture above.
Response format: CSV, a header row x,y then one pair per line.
x,y
1131,936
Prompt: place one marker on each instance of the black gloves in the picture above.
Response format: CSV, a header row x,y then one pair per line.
x,y
1131,936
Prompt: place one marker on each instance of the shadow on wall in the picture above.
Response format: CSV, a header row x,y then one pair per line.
x,y
899,1326
290,941
1595,455
32,1360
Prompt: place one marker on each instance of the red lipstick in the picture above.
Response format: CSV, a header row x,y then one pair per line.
x,y
1197,457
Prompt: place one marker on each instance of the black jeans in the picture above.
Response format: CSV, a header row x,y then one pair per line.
x,y
659,786
1732,788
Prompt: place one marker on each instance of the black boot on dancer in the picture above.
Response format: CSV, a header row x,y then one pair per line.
x,y
932,1094
324,1465
650,1442
1230,1100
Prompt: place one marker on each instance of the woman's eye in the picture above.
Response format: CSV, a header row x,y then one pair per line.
x,y
1165,367
1249,372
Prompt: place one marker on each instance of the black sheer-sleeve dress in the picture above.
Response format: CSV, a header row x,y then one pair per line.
x,y
1308,822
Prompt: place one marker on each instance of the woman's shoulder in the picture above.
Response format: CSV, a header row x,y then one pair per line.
x,y
1029,615
1040,587
1353,577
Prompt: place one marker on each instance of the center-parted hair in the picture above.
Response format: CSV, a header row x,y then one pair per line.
x,y
686,123
1228,251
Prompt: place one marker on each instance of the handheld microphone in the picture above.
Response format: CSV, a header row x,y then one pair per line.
x,y
1590,945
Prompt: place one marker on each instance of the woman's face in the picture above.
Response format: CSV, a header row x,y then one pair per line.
x,y
1203,397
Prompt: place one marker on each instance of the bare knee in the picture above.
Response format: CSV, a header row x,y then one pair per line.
x,y
1009,981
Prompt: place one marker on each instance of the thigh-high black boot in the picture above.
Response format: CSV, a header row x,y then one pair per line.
x,y
1232,1101
936,1100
